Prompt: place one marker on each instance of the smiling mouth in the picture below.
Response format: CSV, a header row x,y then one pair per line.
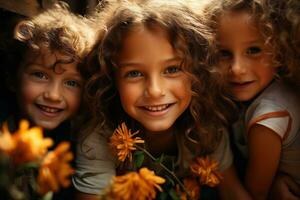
x,y
157,108
241,84
49,109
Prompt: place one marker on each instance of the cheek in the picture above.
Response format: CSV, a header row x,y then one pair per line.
x,y
222,67
73,100
128,94
28,92
269,75
183,89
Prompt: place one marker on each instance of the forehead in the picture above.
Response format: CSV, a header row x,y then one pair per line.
x,y
238,23
145,40
49,59
237,18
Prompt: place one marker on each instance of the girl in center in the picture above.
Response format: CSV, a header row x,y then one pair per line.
x,y
153,76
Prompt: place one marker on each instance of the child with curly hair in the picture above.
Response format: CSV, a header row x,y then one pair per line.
x,y
153,75
257,60
46,72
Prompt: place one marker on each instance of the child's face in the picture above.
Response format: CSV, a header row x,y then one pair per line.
x,y
244,57
152,87
49,97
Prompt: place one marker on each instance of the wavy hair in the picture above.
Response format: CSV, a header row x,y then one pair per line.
x,y
191,40
287,13
58,29
264,14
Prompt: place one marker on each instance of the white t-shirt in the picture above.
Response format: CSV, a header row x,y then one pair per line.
x,y
277,108
96,165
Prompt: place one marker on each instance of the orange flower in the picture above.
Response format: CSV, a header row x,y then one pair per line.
x,y
55,169
25,145
7,143
207,171
192,187
123,143
135,186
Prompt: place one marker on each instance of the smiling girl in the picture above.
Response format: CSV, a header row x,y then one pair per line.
x,y
46,75
267,132
153,76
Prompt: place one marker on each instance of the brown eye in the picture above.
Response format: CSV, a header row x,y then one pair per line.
x,y
253,50
224,54
39,75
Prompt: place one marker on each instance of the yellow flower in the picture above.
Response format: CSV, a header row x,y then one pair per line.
x,y
123,142
135,186
207,171
7,143
192,187
55,169
26,144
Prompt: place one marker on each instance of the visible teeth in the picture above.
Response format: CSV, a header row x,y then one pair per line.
x,y
157,108
47,109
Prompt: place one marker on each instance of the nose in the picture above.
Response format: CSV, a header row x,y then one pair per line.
x,y
53,92
238,66
154,87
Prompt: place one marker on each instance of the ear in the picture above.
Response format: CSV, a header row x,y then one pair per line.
x,y
24,31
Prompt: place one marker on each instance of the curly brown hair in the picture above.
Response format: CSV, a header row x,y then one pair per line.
x,y
58,29
277,21
190,38
287,26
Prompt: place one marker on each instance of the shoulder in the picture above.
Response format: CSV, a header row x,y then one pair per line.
x,y
94,142
277,97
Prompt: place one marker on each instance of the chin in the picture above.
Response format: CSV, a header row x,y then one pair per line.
x,y
158,128
47,125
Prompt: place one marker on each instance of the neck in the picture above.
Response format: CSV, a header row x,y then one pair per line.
x,y
161,143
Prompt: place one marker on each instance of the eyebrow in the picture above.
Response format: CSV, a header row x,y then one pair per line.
x,y
137,63
253,41
60,61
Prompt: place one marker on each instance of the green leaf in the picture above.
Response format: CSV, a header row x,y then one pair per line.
x,y
28,166
170,181
173,194
160,159
162,196
138,158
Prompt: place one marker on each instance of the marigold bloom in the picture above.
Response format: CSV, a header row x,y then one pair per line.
x,y
135,186
26,144
55,169
207,171
123,142
7,143
192,186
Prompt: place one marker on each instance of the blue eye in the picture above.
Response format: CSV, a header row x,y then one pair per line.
x,y
253,50
72,83
133,74
172,70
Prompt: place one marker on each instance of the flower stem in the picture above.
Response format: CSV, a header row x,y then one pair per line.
x,y
165,168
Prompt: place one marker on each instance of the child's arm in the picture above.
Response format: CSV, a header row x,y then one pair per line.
x,y
231,188
284,188
264,154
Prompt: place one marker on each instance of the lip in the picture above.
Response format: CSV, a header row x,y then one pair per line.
x,y
241,85
49,111
157,110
